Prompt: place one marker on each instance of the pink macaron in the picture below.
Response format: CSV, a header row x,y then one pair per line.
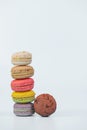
x,y
20,85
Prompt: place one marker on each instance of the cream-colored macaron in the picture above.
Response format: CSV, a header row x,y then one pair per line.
x,y
21,58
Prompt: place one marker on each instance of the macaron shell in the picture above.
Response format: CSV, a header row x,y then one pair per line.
x,y
23,100
27,105
21,72
23,113
22,55
23,94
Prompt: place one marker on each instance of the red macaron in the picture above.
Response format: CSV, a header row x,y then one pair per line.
x,y
20,85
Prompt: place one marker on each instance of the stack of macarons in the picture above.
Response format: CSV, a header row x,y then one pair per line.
x,y
22,83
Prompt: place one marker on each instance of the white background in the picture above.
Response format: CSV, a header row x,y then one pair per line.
x,y
55,32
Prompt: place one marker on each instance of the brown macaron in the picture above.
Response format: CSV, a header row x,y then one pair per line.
x,y
21,72
45,105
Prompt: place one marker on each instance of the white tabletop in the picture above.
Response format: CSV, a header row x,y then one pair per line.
x,y
70,120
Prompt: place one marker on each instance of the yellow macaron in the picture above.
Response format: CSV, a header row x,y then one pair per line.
x,y
23,97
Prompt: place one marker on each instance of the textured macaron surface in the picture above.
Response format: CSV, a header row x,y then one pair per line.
x,y
23,94
23,109
45,104
23,97
22,84
21,58
27,105
20,72
24,100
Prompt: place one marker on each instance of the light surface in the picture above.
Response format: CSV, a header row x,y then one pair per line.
x,y
55,32
61,120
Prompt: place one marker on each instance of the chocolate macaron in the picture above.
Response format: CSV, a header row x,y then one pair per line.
x,y
45,105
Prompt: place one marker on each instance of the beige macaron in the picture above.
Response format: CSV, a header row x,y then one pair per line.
x,y
21,72
21,58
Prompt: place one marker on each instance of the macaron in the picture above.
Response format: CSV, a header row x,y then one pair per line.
x,y
21,58
21,72
22,84
23,97
23,109
45,105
